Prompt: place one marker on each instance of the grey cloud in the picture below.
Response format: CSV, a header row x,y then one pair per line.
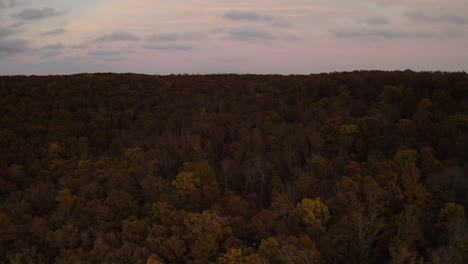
x,y
281,24
9,30
6,31
52,50
35,14
419,16
107,52
451,33
249,33
117,36
6,4
163,37
57,46
50,54
380,33
53,32
170,47
12,46
289,37
58,65
377,21
79,46
175,36
455,19
9,3
242,15
238,15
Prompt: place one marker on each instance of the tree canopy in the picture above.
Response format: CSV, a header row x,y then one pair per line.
x,y
353,167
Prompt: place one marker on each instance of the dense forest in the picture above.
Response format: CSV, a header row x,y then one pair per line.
x,y
356,167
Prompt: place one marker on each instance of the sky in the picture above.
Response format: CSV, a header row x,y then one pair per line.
x,y
48,37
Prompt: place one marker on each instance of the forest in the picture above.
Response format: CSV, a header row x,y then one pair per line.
x,y
345,167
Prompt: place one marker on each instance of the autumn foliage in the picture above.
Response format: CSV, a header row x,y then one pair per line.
x,y
358,167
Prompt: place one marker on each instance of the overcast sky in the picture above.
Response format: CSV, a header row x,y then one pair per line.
x,y
224,36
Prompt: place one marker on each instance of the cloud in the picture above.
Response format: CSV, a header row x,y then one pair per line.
x,y
238,15
12,3
53,32
12,46
452,18
174,36
9,3
377,21
9,30
454,33
169,47
419,16
79,46
289,37
172,41
107,52
50,54
242,15
35,14
6,4
6,31
249,33
281,24
52,50
117,36
57,46
379,33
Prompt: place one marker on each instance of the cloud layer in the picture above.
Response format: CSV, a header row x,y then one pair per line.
x,y
7,31
36,14
53,32
259,36
117,36
242,15
169,47
419,16
175,36
10,3
380,33
12,46
249,33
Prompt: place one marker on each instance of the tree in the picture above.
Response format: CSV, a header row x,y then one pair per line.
x,y
233,256
452,216
122,204
445,255
154,259
314,212
186,181
410,175
402,255
301,250
134,231
269,248
197,180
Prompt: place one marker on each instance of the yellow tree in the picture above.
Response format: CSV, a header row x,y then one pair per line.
x,y
154,259
269,248
410,174
233,256
203,171
314,212
197,180
186,181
